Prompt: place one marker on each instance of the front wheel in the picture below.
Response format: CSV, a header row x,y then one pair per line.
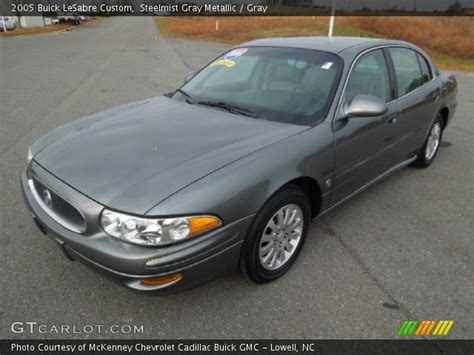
x,y
276,236
431,146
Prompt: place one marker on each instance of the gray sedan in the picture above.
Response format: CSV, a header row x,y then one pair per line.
x,y
229,170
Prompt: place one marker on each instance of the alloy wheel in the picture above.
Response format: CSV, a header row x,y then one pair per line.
x,y
433,141
281,237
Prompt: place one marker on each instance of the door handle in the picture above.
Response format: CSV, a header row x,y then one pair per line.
x,y
435,96
392,119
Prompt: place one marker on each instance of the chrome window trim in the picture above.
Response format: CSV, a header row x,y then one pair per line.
x,y
53,215
356,59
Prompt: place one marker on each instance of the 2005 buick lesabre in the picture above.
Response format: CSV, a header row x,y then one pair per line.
x,y
229,170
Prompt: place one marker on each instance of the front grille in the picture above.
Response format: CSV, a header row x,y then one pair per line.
x,y
61,210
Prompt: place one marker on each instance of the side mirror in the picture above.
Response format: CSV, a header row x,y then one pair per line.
x,y
189,76
365,106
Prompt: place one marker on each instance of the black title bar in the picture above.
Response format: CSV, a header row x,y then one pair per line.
x,y
235,7
366,347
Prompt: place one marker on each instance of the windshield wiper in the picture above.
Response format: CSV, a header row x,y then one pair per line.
x,y
189,99
229,107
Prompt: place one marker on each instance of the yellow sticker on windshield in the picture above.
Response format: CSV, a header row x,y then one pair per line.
x,y
225,62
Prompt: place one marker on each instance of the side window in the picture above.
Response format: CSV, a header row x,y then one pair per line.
x,y
369,77
425,69
407,70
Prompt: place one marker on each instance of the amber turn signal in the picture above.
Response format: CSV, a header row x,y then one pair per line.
x,y
162,280
202,224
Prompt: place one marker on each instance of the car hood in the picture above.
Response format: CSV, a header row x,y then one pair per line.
x,y
132,157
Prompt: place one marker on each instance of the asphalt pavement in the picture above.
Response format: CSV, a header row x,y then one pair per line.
x,y
402,250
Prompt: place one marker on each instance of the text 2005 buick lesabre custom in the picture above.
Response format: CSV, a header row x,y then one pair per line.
x,y
229,170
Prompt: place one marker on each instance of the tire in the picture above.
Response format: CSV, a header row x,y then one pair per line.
x,y
256,260
428,153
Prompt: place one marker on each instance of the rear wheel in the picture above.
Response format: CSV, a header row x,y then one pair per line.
x,y
276,236
431,146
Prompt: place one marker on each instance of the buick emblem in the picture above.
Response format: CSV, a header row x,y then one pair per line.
x,y
47,198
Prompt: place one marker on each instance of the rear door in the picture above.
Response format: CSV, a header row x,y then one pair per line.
x,y
362,149
418,95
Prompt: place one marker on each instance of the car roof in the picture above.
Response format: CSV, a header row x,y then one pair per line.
x,y
327,44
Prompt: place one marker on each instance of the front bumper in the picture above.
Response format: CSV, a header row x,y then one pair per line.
x,y
197,260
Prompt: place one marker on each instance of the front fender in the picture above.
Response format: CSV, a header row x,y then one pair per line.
x,y
241,188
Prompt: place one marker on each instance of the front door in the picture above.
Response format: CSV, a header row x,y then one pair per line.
x,y
362,144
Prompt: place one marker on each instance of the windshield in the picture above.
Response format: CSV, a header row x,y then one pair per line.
x,y
280,84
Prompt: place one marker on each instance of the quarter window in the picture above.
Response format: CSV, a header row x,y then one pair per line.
x,y
369,77
425,69
407,70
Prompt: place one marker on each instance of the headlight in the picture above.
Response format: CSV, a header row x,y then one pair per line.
x,y
155,231
29,155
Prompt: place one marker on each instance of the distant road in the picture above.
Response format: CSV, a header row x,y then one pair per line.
x,y
402,250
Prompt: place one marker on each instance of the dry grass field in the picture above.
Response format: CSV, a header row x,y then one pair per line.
x,y
450,35
447,39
